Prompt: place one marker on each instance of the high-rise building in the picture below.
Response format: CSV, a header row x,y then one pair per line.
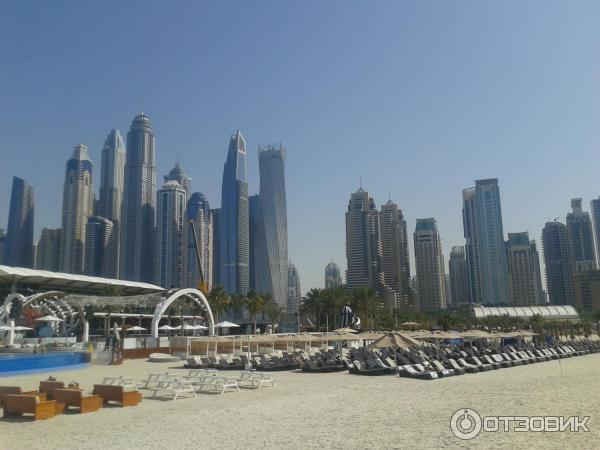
x,y
170,227
486,255
198,212
216,262
460,292
139,203
177,174
2,245
595,207
48,250
294,292
524,270
233,220
587,290
274,274
581,238
78,205
333,275
110,205
363,246
395,262
19,236
558,259
99,247
429,263
257,247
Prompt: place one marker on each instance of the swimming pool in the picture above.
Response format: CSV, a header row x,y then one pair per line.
x,y
23,362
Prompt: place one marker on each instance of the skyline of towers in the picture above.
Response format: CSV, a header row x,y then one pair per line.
x,y
198,211
580,235
18,247
429,263
333,275
460,292
139,203
485,249
78,205
363,246
170,230
395,260
524,270
234,220
110,204
558,259
99,247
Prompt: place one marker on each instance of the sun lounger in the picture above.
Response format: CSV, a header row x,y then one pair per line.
x,y
483,367
441,370
410,372
119,381
255,380
174,388
217,384
75,398
468,366
16,390
17,405
121,394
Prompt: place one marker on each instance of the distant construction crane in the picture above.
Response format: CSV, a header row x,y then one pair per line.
x,y
202,285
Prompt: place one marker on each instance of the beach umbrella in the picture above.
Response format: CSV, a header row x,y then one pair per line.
x,y
166,327
136,328
395,340
49,319
226,324
345,330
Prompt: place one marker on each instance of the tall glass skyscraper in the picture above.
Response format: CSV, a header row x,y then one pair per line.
x,y
78,205
460,292
18,251
170,226
178,174
99,247
48,250
198,211
294,292
595,208
233,220
581,237
558,258
333,275
524,270
429,264
139,203
110,205
273,207
484,234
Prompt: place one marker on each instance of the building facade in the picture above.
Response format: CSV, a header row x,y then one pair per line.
x,y
595,208
460,292
99,247
363,246
559,264
18,251
139,203
2,245
429,263
178,174
233,220
78,205
524,271
333,275
294,291
587,290
199,212
580,235
471,248
110,204
395,262
48,250
170,228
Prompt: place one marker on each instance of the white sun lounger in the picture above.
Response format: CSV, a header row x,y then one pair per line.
x,y
218,384
174,388
255,380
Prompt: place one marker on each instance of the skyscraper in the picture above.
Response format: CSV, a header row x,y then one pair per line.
x,y
110,205
524,270
177,174
482,221
19,237
198,211
170,227
581,238
294,292
233,220
429,263
216,262
48,250
257,247
395,261
2,245
99,247
363,246
78,205
273,207
460,292
595,207
559,264
139,208
333,275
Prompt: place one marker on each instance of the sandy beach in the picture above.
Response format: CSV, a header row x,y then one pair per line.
x,y
335,410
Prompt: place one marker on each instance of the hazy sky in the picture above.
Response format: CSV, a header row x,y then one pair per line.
x,y
419,98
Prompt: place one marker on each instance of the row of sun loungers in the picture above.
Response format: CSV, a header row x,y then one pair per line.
x,y
437,361
321,361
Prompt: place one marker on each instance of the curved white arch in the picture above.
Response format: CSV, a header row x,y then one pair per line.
x,y
196,295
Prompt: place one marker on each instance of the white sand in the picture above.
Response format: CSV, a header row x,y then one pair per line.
x,y
335,410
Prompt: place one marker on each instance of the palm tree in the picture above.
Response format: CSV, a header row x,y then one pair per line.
x,y
273,311
313,304
237,302
255,303
218,300
364,301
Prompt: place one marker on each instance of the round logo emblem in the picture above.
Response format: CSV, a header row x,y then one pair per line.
x,y
465,424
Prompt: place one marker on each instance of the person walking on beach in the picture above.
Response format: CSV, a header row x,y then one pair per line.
x,y
107,343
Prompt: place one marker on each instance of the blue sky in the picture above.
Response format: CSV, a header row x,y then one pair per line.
x,y
418,98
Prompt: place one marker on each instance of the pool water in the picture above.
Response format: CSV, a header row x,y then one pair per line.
x,y
20,362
